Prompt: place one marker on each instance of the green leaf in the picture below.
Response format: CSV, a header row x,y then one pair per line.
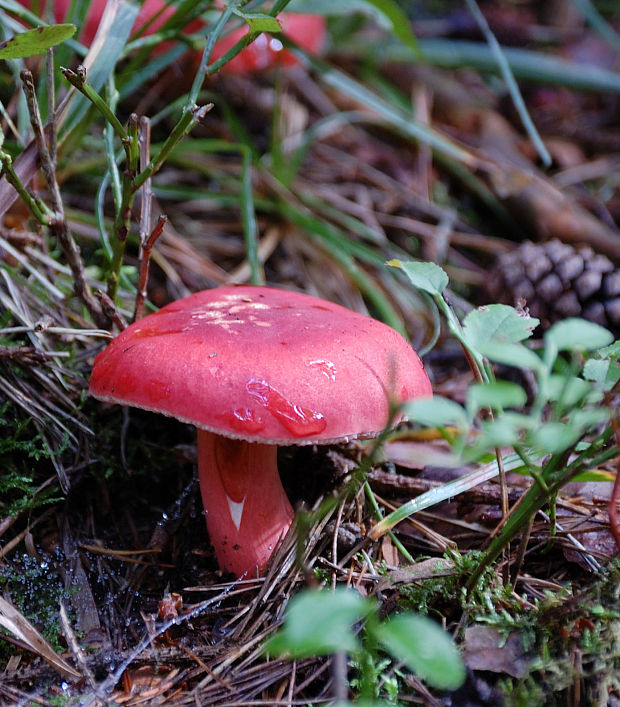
x,y
425,648
510,354
396,117
497,322
588,418
320,623
612,351
35,41
400,25
605,373
595,475
501,432
496,395
436,412
569,390
495,331
596,370
577,334
425,276
554,437
531,66
520,420
259,22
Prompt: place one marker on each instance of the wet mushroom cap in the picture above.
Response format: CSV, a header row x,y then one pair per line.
x,y
263,365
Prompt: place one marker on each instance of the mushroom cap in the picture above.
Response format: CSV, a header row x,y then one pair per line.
x,y
263,365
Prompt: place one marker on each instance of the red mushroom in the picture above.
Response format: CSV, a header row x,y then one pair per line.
x,y
253,368
160,10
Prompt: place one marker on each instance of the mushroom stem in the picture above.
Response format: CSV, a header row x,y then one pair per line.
x,y
246,508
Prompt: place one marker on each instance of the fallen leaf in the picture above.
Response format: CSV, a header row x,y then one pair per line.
x,y
426,569
22,629
487,649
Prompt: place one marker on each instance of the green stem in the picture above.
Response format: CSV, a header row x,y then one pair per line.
x,y
204,67
108,135
278,6
397,543
77,79
455,327
533,500
246,198
129,140
248,217
122,222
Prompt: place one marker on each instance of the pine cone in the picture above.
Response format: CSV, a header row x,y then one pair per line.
x,y
556,280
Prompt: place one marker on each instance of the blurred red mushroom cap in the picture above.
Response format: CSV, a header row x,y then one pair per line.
x,y
309,31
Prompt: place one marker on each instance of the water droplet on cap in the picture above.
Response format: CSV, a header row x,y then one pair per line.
x,y
299,421
245,420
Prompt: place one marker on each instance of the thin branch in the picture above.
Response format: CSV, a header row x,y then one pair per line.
x,y
129,139
144,266
110,311
25,355
47,163
146,241
51,106
144,143
76,649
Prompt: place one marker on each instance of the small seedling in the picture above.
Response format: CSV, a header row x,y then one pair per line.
x,y
563,435
324,623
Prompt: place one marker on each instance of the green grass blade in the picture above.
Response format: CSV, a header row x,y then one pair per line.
x,y
509,78
399,120
598,22
101,63
444,492
524,64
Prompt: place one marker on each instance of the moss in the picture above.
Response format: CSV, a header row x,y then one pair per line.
x,y
35,588
573,637
22,450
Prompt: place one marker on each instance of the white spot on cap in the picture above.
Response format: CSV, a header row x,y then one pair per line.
x,y
235,309
327,368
